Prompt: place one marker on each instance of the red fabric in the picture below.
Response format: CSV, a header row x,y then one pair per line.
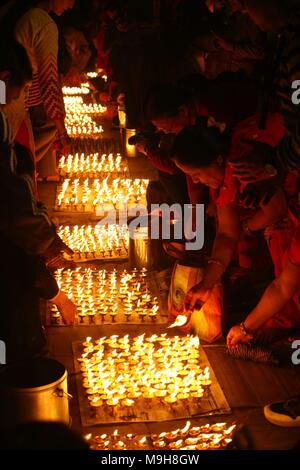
x,y
294,253
282,245
250,250
23,138
248,130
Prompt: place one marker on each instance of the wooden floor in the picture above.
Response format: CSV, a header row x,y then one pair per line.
x,y
247,386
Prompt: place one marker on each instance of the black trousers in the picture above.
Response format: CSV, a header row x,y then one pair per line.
x,y
20,321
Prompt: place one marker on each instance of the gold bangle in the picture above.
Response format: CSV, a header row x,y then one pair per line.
x,y
244,330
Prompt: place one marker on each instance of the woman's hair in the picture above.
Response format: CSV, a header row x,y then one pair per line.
x,y
14,59
199,146
164,100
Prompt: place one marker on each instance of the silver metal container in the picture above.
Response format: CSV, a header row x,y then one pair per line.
x,y
145,252
36,390
131,151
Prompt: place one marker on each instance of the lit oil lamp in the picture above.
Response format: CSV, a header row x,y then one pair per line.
x,y
142,443
176,445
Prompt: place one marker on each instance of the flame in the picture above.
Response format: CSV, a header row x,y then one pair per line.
x,y
174,433
116,433
186,428
180,321
88,437
195,341
178,443
143,440
229,430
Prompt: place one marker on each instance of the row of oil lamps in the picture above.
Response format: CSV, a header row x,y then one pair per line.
x,y
92,165
76,105
84,89
81,125
103,296
90,195
204,437
96,241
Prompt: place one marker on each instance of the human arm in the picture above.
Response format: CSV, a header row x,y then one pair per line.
x,y
276,296
271,212
227,237
65,306
160,159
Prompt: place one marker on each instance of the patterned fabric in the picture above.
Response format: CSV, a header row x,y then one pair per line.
x,y
294,254
247,130
38,33
288,152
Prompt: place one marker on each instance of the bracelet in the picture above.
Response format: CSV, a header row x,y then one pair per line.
x,y
244,330
217,262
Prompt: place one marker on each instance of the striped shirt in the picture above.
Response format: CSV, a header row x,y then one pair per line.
x,y
38,34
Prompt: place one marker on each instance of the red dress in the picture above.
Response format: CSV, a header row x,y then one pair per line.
x,y
281,241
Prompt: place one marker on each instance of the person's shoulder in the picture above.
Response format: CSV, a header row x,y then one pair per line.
x,y
37,17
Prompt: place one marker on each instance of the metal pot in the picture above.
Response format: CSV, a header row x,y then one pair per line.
x,y
145,252
36,390
131,151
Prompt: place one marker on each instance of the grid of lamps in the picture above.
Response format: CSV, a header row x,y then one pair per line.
x,y
205,437
108,296
93,164
96,241
90,195
122,373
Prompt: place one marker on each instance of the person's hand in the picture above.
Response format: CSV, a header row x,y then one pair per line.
x,y
226,46
57,247
259,193
256,165
236,336
64,144
141,147
66,308
59,262
196,297
53,256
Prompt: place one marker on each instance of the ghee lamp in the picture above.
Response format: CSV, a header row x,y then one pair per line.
x,y
92,195
173,440
97,294
92,165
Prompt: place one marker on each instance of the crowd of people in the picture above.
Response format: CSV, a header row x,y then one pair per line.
x,y
209,85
